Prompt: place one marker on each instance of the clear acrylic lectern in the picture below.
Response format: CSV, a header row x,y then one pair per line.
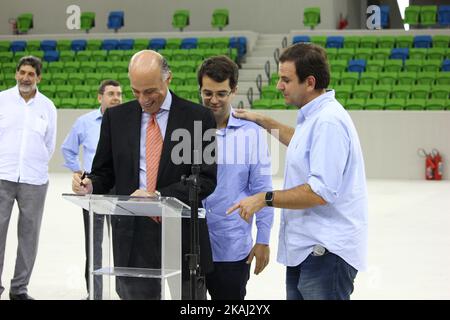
x,y
170,210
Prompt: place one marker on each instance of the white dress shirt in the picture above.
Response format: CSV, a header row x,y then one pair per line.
x,y
27,137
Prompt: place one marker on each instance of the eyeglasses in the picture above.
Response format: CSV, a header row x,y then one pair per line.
x,y
220,95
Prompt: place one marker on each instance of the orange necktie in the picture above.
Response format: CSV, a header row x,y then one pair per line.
x,y
153,148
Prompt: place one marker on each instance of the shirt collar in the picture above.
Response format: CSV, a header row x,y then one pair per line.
x,y
19,97
233,121
98,114
313,106
166,103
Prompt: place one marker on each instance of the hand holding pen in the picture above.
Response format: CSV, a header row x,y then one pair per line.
x,y
81,184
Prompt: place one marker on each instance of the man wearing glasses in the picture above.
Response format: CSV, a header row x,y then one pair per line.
x,y
243,169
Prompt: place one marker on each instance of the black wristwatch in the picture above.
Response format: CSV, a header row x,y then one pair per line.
x,y
269,198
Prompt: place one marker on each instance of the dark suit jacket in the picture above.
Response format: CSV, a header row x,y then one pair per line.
x,y
116,163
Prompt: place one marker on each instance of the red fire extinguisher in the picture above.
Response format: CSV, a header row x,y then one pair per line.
x,y
437,159
430,166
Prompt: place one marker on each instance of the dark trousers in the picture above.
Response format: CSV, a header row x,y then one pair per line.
x,y
98,239
228,281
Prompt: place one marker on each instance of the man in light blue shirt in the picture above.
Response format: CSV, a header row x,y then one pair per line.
x,y
86,132
323,230
27,142
243,170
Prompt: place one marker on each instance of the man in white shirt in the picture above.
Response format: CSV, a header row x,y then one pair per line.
x,y
27,142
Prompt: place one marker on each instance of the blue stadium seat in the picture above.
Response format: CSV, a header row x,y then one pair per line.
x,y
444,15
240,43
335,42
48,45
110,44
298,39
399,53
422,42
115,20
189,43
357,65
18,45
78,45
51,56
157,43
125,44
384,16
446,65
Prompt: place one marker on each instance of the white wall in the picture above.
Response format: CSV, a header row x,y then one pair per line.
x,y
267,16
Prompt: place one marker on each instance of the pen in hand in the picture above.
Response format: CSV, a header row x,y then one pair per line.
x,y
82,178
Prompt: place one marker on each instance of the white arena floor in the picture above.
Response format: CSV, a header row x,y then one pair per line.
x,y
409,239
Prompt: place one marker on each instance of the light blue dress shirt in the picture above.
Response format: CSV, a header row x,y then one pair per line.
x,y
325,152
161,117
85,132
244,169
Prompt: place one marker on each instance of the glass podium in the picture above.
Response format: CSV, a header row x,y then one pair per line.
x,y
101,262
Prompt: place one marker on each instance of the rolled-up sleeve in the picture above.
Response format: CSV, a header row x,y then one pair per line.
x,y
328,159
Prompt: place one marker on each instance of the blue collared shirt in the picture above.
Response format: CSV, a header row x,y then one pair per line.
x,y
27,137
161,117
85,132
325,152
244,169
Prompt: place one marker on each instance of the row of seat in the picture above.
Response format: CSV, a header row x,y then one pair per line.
x,y
390,65
387,53
427,15
366,104
401,41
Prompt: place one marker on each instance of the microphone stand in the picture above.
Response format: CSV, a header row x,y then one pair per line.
x,y
194,256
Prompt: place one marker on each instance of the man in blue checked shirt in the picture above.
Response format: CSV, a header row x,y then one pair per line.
x,y
244,169
85,132
323,227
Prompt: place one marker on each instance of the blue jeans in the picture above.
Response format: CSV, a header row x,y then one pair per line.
x,y
326,277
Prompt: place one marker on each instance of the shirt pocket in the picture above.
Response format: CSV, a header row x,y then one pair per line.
x,y
39,125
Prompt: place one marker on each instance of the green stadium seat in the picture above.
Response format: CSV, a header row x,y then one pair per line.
x,y
180,19
407,78
269,92
110,76
4,46
412,15
261,104
99,55
72,66
363,53
335,79
381,91
354,104
115,55
311,17
63,45
92,78
84,55
141,44
278,104
9,79
404,41
426,78
33,45
221,43
352,41
345,54
401,91
368,42
88,66
436,53
420,91
387,78
76,79
428,15
94,44
381,53
55,67
187,66
59,78
178,78
6,57
195,54
20,54
66,55
374,104
87,103
368,78
386,42
204,43
431,65
362,91
440,92
123,79
319,40
412,65
395,104
375,65
127,54
8,67
87,21
103,66
415,104
166,53
81,91
69,103
220,18
443,78
393,65
119,66
180,55
56,102
173,43
24,22
435,104
49,90
63,91
441,41
349,78
191,79
417,53
274,77
343,92
338,65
